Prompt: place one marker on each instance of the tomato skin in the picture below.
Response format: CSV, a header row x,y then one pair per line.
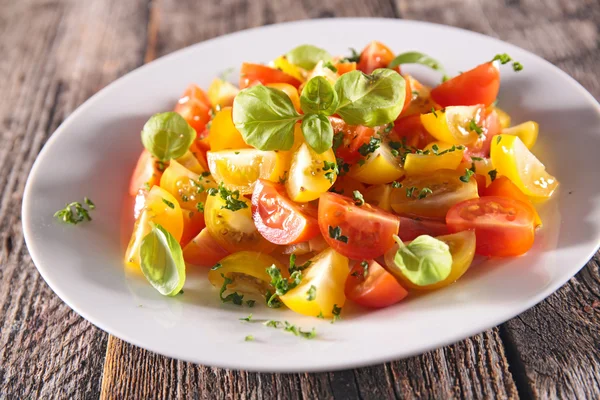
x,y
252,73
194,106
503,226
412,129
343,68
193,223
378,290
411,228
203,250
147,171
354,137
481,183
280,220
368,229
375,55
477,86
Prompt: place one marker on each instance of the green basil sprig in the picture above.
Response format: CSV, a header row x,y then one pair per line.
x,y
319,97
307,56
424,261
414,57
370,100
167,135
265,117
162,261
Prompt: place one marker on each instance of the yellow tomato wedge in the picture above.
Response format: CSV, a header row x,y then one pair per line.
x,y
308,177
327,273
462,248
514,160
282,64
527,132
453,124
503,117
446,158
189,161
379,167
240,169
221,93
187,187
248,272
286,155
234,230
159,207
379,195
223,135
291,91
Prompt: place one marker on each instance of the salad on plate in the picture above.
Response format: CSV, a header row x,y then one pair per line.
x,y
319,180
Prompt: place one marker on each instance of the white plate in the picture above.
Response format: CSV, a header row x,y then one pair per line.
x,y
93,152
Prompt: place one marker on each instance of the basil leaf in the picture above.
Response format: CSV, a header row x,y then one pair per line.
x,y
265,117
414,57
167,135
318,132
307,56
162,261
318,97
370,100
424,261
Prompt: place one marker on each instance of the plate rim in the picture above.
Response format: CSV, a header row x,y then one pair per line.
x,y
331,366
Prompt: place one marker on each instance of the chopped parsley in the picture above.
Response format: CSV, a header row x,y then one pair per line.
x,y
249,338
200,206
333,170
493,174
498,139
476,158
338,140
293,267
474,127
160,166
359,200
282,285
216,266
424,192
232,198
299,332
336,233
410,191
75,212
355,57
247,319
503,58
517,66
469,172
272,323
388,127
343,167
205,174
311,294
250,303
396,185
330,66
365,266
336,313
433,111
283,178
168,203
321,315
367,148
234,297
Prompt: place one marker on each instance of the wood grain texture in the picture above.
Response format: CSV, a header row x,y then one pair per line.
x,y
54,56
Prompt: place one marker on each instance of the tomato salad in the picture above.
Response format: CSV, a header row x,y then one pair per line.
x,y
319,179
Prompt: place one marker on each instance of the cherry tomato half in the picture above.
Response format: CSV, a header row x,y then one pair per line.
x,y
280,220
503,226
503,187
194,106
411,228
375,55
354,137
375,288
358,232
147,173
250,74
477,86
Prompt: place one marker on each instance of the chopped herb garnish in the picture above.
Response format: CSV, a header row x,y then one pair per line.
x,y
396,185
299,332
282,285
424,192
234,297
205,174
493,174
336,313
216,266
368,148
184,198
272,323
249,338
359,200
79,215
343,167
283,178
476,158
311,294
410,191
212,191
168,203
388,127
333,170
336,233
474,127
503,58
321,315
232,198
338,140
498,139
365,265
433,111
330,66
293,267
250,303
160,166
200,206
355,57
517,66
89,203
247,319
236,152
468,173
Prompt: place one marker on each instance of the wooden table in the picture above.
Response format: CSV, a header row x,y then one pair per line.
x,y
57,53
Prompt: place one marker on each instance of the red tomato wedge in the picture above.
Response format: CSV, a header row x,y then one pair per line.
x,y
503,187
357,232
252,73
412,129
280,220
503,226
477,86
203,250
147,173
375,55
342,68
377,289
194,106
354,137
411,228
490,128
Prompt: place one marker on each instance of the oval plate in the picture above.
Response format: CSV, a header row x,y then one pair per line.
x,y
94,151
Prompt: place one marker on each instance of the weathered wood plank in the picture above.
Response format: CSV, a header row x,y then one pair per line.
x,y
552,348
54,56
475,368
